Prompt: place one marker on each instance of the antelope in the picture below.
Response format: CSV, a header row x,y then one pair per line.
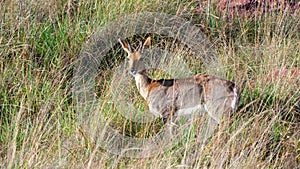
x,y
175,97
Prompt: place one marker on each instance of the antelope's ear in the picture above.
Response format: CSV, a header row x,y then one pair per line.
x,y
147,43
125,46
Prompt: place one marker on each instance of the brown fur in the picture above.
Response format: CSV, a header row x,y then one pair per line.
x,y
181,96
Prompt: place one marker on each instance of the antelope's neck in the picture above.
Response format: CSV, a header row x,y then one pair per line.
x,y
142,81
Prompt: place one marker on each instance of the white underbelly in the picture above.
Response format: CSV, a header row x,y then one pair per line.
x,y
190,110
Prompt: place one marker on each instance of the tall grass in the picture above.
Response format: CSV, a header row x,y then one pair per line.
x,y
39,45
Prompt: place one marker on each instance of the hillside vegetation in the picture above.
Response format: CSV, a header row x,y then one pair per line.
x,y
40,42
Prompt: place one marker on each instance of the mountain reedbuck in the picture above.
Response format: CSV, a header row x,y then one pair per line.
x,y
175,97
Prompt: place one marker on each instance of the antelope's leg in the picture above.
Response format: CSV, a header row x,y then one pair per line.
x,y
208,129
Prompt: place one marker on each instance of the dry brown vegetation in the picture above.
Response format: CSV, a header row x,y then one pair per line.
x,y
39,45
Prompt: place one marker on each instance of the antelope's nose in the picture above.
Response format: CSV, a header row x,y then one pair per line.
x,y
133,71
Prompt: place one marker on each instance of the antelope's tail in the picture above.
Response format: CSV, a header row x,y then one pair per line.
x,y
235,100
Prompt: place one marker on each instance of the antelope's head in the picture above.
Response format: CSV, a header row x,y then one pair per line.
x,y
135,56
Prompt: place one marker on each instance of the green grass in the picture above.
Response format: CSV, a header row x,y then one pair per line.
x,y
39,45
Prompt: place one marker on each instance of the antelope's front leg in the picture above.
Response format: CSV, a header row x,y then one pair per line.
x,y
169,119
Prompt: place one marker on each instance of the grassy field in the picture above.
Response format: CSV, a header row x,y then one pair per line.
x,y
40,42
